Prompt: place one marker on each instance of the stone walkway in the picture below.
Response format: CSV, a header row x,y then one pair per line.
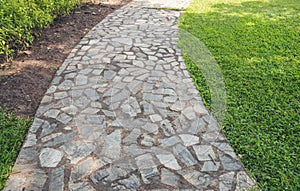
x,y
122,113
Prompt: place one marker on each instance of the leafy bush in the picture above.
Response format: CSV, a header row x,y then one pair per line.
x,y
19,18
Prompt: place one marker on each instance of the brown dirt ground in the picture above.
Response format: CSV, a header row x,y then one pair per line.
x,y
24,81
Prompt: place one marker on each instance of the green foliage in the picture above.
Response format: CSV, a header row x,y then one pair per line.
x,y
20,18
256,44
12,133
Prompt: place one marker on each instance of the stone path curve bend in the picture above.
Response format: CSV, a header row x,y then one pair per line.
x,y
122,113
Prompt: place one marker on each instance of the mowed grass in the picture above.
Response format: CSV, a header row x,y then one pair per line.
x,y
12,134
257,46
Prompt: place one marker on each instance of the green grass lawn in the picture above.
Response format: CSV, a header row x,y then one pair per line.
x,y
257,47
12,133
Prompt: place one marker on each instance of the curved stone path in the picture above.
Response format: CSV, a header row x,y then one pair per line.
x,y
122,113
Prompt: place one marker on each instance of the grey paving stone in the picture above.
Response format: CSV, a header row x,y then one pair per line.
x,y
210,166
189,140
132,137
130,183
131,107
47,128
109,74
147,140
167,142
244,181
50,157
169,161
169,178
226,181
198,179
147,167
84,186
204,152
30,141
134,150
155,118
184,155
77,150
112,145
53,113
56,182
229,163
84,168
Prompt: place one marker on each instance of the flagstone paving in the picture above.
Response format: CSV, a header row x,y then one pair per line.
x,y
122,113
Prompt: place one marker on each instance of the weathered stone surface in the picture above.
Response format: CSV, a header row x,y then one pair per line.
x,y
169,161
204,152
189,140
169,141
31,140
112,145
226,181
56,181
147,167
184,155
169,178
85,186
229,163
244,181
198,179
77,150
50,157
130,183
132,137
210,166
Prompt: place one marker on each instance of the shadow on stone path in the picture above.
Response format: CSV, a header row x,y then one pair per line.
x,y
122,113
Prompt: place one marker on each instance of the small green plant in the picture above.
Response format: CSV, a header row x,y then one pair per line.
x,y
12,133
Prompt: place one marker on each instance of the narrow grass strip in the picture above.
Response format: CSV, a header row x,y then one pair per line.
x,y
12,134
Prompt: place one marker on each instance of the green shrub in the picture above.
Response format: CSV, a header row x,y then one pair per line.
x,y
19,18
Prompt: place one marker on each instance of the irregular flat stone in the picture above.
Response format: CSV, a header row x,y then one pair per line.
x,y
84,168
229,163
50,157
147,140
169,178
132,137
31,140
198,179
57,179
244,181
77,150
131,183
112,145
147,167
210,166
189,140
169,141
169,161
155,118
226,181
85,186
204,152
184,155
